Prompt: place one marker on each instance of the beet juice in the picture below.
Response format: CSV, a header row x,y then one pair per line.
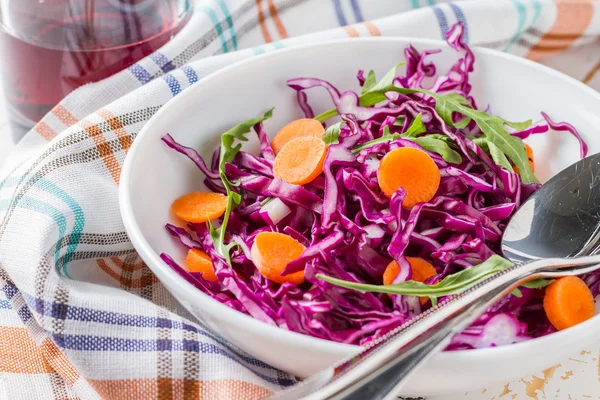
x,y
51,47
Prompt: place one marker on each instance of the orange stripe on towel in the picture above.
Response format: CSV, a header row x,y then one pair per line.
x,y
572,19
261,21
278,23
351,31
373,30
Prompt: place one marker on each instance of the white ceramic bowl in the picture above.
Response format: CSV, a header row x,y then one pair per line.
x,y
153,176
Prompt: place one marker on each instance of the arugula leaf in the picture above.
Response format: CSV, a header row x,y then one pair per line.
x,y
370,81
387,80
326,115
497,155
451,284
386,137
372,96
493,129
432,142
492,126
517,125
220,247
538,283
400,120
332,134
416,127
462,123
438,146
445,106
228,153
444,138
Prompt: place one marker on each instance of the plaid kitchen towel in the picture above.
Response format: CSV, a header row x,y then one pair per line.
x,y
81,316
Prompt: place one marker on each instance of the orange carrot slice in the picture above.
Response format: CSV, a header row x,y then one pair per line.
x,y
295,129
529,152
198,261
410,169
567,302
421,271
301,160
199,207
272,251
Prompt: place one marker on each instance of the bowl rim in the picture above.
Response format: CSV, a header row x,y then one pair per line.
x,y
165,273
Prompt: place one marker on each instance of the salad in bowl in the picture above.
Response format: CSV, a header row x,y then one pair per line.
x,y
350,222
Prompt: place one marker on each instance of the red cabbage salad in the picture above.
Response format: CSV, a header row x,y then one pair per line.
x,y
346,230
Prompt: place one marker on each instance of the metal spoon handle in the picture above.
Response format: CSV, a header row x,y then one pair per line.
x,y
381,367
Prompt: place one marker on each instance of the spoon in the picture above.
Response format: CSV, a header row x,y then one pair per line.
x,y
558,222
561,219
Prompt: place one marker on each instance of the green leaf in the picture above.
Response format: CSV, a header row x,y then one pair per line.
x,y
518,125
400,120
511,146
492,126
462,123
386,137
493,129
370,97
438,146
220,246
387,80
479,141
444,138
332,134
435,142
538,283
451,284
416,127
370,82
498,156
445,105
326,115
228,153
387,134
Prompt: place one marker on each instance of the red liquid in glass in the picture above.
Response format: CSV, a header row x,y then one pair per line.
x,y
44,58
